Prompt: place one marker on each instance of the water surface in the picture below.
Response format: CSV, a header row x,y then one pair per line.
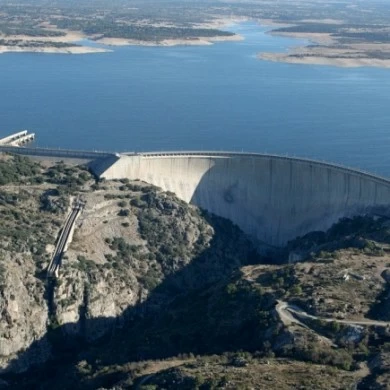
x,y
218,97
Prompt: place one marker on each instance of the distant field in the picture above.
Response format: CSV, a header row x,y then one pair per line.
x,y
343,34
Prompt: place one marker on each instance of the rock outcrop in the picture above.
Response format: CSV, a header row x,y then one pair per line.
x,y
24,312
130,239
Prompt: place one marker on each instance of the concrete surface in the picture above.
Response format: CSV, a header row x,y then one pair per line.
x,y
272,198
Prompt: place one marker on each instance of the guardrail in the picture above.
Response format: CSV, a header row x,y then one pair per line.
x,y
63,240
85,154
66,153
207,154
58,250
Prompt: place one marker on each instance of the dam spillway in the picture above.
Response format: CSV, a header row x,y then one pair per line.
x,y
271,198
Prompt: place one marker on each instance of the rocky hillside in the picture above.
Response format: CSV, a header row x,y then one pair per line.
x,y
130,240
157,294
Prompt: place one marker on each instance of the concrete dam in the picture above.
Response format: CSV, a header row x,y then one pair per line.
x,y
271,198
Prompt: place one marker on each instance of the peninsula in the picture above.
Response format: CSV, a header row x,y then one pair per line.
x,y
349,34
63,29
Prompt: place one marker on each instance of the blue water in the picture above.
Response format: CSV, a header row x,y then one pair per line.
x,y
216,97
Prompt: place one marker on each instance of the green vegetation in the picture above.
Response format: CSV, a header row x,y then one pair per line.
x,y
154,22
84,264
173,21
363,233
111,28
124,212
11,27
24,227
314,352
18,170
350,33
35,44
197,298
70,178
246,371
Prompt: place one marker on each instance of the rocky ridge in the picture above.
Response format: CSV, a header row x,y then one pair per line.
x,y
129,239
155,293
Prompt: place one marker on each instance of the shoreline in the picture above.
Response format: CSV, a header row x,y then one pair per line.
x,y
325,61
70,37
53,50
323,49
111,42
201,41
217,23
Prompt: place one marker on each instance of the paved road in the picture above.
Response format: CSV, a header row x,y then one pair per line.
x,y
289,313
60,153
286,316
55,262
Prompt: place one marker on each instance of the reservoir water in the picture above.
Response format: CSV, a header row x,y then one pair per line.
x,y
218,97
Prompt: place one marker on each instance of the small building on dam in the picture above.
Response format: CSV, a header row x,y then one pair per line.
x,y
271,198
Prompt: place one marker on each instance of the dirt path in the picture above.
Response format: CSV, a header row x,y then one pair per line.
x,y
156,367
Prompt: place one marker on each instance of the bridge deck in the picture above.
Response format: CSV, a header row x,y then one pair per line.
x,y
13,137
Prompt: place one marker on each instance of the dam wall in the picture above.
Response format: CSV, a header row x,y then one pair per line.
x,y
273,199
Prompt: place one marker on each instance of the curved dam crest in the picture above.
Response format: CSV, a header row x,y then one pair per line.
x,y
271,198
